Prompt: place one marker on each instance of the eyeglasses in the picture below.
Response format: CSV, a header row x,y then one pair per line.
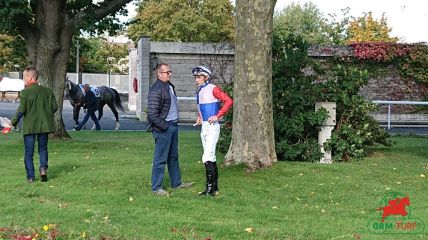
x,y
167,72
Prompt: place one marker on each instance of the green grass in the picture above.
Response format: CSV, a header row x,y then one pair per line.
x,y
93,177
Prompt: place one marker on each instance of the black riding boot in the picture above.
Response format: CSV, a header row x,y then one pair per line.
x,y
209,172
215,183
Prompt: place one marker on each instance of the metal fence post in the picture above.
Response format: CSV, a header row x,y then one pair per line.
x,y
389,116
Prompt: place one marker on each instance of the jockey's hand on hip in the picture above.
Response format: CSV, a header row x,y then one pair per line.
x,y
212,119
198,121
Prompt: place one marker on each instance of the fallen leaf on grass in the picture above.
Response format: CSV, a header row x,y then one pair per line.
x,y
301,174
322,210
398,182
275,207
63,205
422,175
249,230
131,199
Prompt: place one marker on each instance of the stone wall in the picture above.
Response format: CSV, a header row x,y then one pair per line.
x,y
181,57
388,85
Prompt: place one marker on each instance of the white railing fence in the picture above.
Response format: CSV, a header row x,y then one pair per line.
x,y
389,103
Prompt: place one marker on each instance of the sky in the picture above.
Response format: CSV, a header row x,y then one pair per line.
x,y
407,18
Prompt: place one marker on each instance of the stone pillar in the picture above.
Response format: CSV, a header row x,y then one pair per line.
x,y
325,131
143,76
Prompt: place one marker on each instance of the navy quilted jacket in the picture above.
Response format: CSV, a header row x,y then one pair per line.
x,y
159,102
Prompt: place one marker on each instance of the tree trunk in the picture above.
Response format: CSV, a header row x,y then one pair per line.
x,y
48,51
253,132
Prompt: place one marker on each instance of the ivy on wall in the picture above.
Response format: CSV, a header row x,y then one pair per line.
x,y
410,59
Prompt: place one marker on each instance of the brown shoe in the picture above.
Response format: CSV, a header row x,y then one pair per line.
x,y
43,175
185,185
161,193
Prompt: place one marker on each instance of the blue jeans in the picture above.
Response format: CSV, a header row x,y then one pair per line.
x,y
166,152
29,142
85,119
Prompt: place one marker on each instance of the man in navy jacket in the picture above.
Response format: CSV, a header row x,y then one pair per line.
x,y
162,121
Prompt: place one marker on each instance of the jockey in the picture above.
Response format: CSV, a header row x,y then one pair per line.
x,y
209,97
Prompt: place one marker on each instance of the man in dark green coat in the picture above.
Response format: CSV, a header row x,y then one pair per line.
x,y
37,106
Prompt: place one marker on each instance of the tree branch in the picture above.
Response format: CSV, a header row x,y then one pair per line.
x,y
99,11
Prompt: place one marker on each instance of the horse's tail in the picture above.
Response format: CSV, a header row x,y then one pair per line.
x,y
118,102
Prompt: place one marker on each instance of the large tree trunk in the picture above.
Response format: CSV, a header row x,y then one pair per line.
x,y
48,51
253,132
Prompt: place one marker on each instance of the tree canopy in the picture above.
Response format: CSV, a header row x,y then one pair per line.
x,y
97,55
304,21
367,29
184,20
308,23
12,53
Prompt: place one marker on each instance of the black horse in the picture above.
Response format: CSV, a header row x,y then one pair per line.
x,y
107,96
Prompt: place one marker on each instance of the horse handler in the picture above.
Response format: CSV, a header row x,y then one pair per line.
x,y
37,106
91,106
209,97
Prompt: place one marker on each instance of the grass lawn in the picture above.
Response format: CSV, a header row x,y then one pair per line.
x,y
99,188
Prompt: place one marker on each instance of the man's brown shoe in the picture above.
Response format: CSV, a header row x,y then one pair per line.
x,y
184,185
43,175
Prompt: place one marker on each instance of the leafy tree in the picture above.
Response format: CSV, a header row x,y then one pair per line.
x,y
337,29
367,29
12,52
253,142
184,20
48,27
304,21
97,55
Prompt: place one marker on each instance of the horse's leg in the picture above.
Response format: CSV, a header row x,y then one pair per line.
x,y
76,110
3,96
100,115
116,115
16,97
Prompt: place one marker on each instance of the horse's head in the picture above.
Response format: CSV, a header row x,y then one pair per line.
x,y
405,201
74,94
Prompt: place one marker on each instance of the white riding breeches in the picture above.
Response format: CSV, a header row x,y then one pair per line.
x,y
209,136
